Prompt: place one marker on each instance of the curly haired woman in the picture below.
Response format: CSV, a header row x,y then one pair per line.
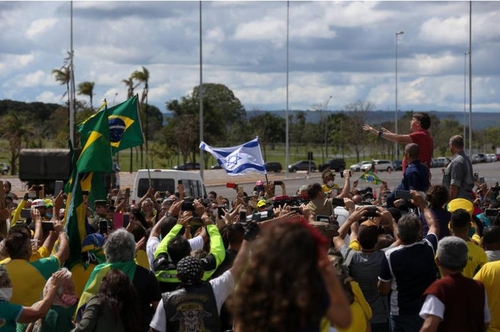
x,y
287,283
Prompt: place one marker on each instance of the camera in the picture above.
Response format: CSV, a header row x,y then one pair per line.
x,y
187,206
404,194
371,211
342,174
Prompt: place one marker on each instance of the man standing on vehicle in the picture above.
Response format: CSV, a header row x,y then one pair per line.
x,y
416,175
419,125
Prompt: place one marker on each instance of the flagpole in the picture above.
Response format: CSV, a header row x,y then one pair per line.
x,y
287,139
71,91
200,93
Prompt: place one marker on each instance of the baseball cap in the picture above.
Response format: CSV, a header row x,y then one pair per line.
x,y
261,203
460,203
38,203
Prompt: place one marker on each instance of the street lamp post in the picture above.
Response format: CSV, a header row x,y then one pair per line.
x,y
465,93
396,151
326,127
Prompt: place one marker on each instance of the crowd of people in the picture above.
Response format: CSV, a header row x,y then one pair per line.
x,y
424,256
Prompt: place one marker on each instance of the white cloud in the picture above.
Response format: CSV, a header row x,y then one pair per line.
x,y
48,97
343,48
39,27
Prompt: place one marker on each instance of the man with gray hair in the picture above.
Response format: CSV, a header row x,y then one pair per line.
x,y
120,254
454,302
458,176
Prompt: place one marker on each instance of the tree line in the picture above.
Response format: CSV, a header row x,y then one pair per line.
x,y
225,123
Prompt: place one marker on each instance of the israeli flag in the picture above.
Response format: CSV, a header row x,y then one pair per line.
x,y
239,159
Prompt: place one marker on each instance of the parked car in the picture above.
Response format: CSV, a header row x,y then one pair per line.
x,y
273,166
380,165
479,158
5,168
398,165
491,157
303,165
440,162
357,167
337,165
187,167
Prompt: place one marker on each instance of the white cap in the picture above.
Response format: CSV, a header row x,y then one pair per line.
x,y
38,203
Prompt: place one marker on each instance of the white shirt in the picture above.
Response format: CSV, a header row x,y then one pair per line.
x,y
196,243
222,286
433,306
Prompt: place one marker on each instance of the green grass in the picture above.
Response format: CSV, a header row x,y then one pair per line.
x,y
276,153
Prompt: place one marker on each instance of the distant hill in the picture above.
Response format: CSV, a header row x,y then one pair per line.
x,y
480,121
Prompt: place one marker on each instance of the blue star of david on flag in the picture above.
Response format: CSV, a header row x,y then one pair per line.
x,y
239,159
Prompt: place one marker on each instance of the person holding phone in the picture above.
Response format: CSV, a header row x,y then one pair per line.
x,y
416,175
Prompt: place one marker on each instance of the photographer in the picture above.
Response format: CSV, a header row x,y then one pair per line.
x,y
320,204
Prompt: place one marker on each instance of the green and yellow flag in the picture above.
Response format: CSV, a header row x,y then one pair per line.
x,y
76,222
370,177
125,125
96,148
99,272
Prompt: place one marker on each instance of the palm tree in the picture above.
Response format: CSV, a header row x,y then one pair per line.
x,y
87,89
142,77
129,82
63,76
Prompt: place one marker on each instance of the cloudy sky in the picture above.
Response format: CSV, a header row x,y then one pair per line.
x,y
343,49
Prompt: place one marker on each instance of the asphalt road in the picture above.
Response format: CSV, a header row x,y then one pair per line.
x,y
216,179
490,171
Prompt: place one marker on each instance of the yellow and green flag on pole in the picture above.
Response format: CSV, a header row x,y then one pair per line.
x,y
125,125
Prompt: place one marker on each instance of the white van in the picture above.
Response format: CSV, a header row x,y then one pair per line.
x,y
166,180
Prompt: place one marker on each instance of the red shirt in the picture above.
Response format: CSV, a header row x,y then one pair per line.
x,y
426,145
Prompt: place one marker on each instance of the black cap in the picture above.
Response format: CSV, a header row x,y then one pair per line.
x,y
100,202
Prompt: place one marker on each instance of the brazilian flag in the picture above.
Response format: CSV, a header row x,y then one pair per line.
x,y
76,222
125,125
96,151
370,177
99,272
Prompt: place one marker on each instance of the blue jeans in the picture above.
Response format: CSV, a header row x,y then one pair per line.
x,y
406,323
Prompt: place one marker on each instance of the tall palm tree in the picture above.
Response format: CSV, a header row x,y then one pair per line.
x,y
129,82
142,77
87,89
63,76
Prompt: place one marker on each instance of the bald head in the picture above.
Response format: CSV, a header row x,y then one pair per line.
x,y
412,151
457,142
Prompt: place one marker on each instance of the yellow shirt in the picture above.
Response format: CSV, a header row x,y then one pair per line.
x,y
360,310
80,277
141,258
29,278
476,259
489,275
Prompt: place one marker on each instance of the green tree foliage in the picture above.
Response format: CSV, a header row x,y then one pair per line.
x,y
16,129
223,119
87,89
270,129
352,131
